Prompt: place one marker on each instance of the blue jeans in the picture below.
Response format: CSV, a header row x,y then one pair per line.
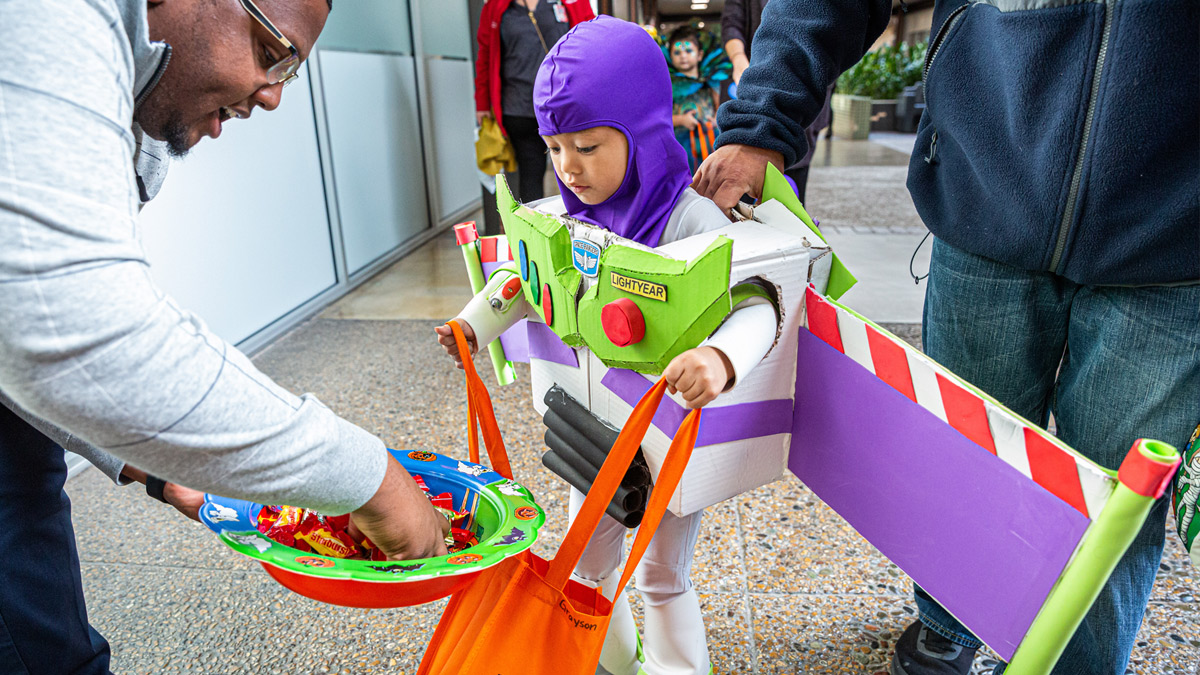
x,y
1130,368
43,621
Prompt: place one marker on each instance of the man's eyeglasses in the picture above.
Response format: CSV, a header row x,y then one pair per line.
x,y
284,70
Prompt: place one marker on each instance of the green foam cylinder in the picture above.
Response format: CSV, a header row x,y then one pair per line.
x,y
505,372
1098,554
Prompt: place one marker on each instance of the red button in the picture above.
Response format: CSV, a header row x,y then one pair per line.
x,y
510,288
623,322
547,305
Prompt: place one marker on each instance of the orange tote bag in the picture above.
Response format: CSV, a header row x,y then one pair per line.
x,y
480,412
526,616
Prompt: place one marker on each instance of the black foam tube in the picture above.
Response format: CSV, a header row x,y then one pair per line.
x,y
582,447
560,467
630,498
580,418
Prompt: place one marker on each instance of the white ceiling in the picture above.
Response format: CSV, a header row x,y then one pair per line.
x,y
684,7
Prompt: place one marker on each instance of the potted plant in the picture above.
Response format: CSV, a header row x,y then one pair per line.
x,y
866,98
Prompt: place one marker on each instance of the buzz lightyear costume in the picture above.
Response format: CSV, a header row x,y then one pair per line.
x,y
607,313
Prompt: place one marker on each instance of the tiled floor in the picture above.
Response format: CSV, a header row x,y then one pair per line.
x,y
787,587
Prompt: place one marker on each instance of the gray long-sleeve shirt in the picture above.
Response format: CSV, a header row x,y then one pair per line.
x,y
88,341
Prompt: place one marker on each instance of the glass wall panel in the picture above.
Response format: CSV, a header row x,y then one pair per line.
x,y
368,26
445,28
449,85
375,140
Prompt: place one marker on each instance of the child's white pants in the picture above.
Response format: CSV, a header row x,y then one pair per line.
x,y
675,641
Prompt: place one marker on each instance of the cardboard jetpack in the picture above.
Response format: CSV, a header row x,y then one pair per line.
x,y
606,315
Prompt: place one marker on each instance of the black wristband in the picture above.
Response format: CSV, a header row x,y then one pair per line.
x,y
154,487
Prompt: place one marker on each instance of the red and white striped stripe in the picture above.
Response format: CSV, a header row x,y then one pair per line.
x,y
1035,453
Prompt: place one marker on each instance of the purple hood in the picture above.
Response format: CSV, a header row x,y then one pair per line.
x,y
609,72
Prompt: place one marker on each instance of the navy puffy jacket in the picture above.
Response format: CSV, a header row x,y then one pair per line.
x,y
1059,135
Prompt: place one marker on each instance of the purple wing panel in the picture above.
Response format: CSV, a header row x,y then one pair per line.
x,y
984,540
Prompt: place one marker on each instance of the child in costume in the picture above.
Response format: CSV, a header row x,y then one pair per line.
x,y
695,85
619,168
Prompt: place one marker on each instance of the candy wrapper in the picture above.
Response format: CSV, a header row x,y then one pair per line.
x,y
310,531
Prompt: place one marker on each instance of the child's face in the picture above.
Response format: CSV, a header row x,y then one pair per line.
x,y
685,54
591,163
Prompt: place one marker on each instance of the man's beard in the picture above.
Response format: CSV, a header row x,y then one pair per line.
x,y
175,134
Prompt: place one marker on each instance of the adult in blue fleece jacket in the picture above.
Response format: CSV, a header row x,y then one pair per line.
x,y
1058,166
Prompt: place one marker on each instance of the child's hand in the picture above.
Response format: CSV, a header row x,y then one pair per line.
x,y
446,340
699,374
686,120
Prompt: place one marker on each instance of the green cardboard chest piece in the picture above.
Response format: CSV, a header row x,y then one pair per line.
x,y
680,302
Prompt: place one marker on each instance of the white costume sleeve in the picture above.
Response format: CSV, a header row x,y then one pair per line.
x,y
88,341
748,333
488,322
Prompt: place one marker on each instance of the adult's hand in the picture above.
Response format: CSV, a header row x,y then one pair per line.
x,y
480,115
732,171
400,520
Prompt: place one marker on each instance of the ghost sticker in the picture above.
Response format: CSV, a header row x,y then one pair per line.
x,y
221,514
471,470
251,540
511,489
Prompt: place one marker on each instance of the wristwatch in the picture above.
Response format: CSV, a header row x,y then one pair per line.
x,y
154,487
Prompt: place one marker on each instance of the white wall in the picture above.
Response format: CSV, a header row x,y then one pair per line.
x,y
239,233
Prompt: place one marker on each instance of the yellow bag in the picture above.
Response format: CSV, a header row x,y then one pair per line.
x,y
493,152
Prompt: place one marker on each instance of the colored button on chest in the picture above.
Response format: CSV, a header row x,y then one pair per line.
x,y
623,322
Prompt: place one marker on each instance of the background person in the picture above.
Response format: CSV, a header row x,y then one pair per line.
x,y
696,78
1065,274
739,22
514,37
92,349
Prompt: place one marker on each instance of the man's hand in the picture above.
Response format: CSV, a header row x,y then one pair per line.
x,y
399,519
480,115
699,374
732,171
446,340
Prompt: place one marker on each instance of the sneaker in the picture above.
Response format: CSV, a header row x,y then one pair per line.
x,y
921,651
